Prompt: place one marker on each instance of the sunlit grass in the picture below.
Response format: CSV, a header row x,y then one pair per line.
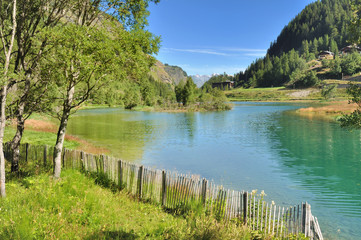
x,y
278,94
38,138
38,207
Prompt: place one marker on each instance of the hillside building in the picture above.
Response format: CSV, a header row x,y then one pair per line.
x,y
223,85
350,49
326,55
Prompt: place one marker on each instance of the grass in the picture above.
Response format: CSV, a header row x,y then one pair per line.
x,y
38,138
277,94
259,94
74,207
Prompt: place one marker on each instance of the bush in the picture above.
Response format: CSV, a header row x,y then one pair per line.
x,y
329,91
304,79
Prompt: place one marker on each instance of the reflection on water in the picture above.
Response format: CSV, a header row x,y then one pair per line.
x,y
263,146
119,131
325,160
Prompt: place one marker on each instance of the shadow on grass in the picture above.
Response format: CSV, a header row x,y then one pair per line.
x,y
26,170
113,235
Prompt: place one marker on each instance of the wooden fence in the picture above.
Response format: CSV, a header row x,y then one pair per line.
x,y
183,192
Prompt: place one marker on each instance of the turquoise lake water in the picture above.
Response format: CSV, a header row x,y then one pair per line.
x,y
263,146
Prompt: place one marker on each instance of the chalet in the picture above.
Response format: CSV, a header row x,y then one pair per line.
x,y
350,49
223,85
325,55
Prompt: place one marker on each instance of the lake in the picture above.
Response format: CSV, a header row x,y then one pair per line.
x,y
263,146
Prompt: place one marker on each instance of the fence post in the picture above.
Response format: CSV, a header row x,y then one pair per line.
x,y
64,150
26,151
164,188
45,154
306,219
140,182
204,191
104,164
82,161
245,207
120,174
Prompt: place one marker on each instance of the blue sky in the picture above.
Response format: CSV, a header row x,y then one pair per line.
x,y
216,36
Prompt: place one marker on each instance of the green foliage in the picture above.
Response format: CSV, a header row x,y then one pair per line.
x,y
326,19
214,100
336,69
329,91
351,63
271,71
148,93
301,79
186,93
353,120
189,91
322,25
132,98
355,25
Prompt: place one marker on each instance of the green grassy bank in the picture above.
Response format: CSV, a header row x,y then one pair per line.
x,y
39,138
281,94
74,207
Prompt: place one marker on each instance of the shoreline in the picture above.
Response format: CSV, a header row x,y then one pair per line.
x,y
329,111
46,126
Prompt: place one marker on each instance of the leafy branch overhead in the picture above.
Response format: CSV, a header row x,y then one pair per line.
x,y
353,120
355,24
57,54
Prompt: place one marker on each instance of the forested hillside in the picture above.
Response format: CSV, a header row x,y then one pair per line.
x,y
321,26
319,23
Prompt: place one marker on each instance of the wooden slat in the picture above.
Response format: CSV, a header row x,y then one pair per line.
x,y
262,210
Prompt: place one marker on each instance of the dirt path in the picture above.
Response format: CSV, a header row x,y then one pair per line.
x,y
302,93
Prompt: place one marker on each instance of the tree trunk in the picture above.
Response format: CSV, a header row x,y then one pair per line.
x,y
3,96
2,130
15,143
61,132
59,143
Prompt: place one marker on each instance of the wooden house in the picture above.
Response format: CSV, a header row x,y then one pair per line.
x,y
223,85
326,55
350,49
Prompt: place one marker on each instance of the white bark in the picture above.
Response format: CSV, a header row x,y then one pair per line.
x,y
3,95
61,132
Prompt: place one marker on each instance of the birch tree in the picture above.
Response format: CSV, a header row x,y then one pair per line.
x,y
93,49
30,90
8,13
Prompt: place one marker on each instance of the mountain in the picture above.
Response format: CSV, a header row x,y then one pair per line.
x,y
168,74
199,80
176,73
